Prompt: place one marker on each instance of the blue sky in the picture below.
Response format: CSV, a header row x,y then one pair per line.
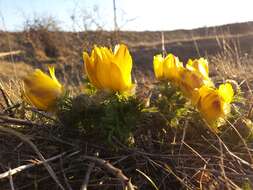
x,y
132,14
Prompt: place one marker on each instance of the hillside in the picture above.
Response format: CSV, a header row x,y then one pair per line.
x,y
42,47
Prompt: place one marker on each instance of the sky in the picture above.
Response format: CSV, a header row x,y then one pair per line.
x,y
131,14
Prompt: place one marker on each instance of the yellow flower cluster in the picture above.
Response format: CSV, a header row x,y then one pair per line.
x,y
111,70
105,69
193,80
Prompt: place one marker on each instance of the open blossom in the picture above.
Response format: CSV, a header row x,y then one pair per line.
x,y
193,77
214,104
167,68
109,70
189,78
42,90
200,66
191,81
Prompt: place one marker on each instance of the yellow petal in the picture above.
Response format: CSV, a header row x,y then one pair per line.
x,y
158,66
199,65
171,67
189,81
204,91
122,56
203,67
108,70
118,80
212,110
210,105
41,90
123,60
33,100
226,92
195,97
52,74
103,68
89,66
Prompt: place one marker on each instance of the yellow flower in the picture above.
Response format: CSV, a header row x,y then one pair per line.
x,y
200,66
41,90
193,76
109,70
226,92
214,104
190,80
167,68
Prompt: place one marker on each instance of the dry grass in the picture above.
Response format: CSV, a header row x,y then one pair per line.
x,y
9,70
186,160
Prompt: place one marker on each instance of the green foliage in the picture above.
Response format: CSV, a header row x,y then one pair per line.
x,y
107,116
239,101
248,129
247,185
89,88
80,112
175,107
120,118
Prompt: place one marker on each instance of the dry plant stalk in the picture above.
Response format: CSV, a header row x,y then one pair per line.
x,y
21,168
87,176
126,182
7,129
4,54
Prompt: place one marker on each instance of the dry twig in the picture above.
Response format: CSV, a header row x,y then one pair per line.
x,y
4,54
87,176
33,146
126,182
16,121
195,152
5,97
235,156
21,168
11,180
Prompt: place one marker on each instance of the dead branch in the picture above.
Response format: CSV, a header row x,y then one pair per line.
x,y
15,121
223,173
4,54
9,109
194,151
233,155
87,176
126,182
42,113
6,99
16,170
243,141
36,150
64,176
11,180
